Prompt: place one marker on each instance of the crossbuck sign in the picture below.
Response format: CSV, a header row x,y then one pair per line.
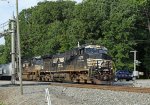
x,y
47,96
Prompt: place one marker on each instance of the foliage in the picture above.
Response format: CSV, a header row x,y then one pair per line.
x,y
118,28
5,51
54,27
1,53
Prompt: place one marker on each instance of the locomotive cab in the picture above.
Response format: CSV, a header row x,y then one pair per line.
x,y
99,63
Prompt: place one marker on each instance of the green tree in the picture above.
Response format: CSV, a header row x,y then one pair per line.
x,y
54,27
118,28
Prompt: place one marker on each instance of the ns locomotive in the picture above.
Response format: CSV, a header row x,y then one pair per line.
x,y
84,64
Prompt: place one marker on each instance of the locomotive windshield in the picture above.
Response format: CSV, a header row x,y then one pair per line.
x,y
95,51
37,61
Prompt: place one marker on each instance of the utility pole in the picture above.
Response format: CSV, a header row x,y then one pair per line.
x,y
13,50
135,73
18,49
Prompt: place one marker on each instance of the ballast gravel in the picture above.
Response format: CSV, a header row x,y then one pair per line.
x,y
35,95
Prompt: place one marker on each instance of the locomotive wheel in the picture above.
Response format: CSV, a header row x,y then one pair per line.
x,y
47,77
78,80
96,81
85,81
43,79
93,82
73,80
38,79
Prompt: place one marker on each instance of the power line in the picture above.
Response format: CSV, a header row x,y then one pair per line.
x,y
5,0
10,3
4,24
4,30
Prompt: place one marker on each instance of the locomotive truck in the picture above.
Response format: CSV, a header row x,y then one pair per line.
x,y
84,64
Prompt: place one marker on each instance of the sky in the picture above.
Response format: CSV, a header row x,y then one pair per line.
x,y
7,7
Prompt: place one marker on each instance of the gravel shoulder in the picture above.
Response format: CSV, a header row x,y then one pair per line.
x,y
35,95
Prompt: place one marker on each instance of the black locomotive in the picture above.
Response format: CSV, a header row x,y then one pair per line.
x,y
87,63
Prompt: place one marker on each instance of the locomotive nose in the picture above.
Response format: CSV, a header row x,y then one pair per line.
x,y
105,78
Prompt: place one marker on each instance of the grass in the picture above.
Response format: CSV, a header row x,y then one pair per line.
x,y
1,103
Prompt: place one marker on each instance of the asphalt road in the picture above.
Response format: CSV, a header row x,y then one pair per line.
x,y
123,83
4,83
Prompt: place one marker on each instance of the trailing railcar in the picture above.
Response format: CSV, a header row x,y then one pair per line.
x,y
5,71
84,64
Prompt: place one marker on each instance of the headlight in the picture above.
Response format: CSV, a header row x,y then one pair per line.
x,y
4,71
131,75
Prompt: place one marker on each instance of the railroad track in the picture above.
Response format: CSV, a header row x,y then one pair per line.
x,y
106,87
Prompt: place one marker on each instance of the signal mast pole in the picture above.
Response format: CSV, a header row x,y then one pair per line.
x,y
134,59
135,73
